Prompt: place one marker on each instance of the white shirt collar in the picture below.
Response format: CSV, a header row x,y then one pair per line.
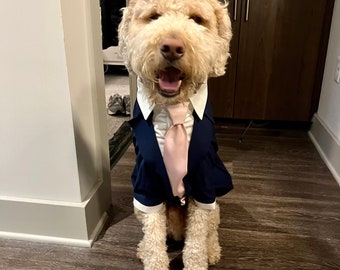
x,y
198,100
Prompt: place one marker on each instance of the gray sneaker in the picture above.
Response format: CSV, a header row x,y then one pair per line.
x,y
115,105
126,102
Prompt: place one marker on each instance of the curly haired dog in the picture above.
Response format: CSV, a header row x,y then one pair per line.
x,y
174,46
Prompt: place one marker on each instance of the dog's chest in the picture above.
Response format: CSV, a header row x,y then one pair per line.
x,y
162,122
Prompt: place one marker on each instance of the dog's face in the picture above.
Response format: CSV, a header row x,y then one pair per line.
x,y
175,45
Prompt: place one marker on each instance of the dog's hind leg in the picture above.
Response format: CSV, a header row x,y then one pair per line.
x,y
152,249
195,255
213,246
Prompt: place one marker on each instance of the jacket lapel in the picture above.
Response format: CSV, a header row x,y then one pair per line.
x,y
202,135
146,142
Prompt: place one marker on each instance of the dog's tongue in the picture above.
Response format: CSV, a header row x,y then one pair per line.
x,y
169,80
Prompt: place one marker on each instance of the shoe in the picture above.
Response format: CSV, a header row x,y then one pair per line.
x,y
115,105
126,102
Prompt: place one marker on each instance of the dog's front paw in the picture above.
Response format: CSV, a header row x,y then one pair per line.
x,y
214,249
214,255
195,268
140,254
156,261
153,257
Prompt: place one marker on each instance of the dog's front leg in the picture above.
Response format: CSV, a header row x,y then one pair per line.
x,y
152,250
195,255
214,248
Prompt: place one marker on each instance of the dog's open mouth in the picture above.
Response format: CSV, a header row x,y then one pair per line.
x,y
170,81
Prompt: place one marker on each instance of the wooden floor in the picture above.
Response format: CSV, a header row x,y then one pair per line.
x,y
284,212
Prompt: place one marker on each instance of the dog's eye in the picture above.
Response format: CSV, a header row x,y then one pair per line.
x,y
197,19
154,16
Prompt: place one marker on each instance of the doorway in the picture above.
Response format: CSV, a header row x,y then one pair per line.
x,y
117,82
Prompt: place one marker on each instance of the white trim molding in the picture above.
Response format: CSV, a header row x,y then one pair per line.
x,y
67,223
327,145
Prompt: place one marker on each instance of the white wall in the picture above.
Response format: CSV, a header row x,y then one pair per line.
x,y
325,131
54,163
329,106
37,157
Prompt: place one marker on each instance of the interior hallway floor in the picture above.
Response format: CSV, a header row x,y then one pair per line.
x,y
116,82
284,212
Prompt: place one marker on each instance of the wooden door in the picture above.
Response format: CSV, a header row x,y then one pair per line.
x,y
277,58
221,89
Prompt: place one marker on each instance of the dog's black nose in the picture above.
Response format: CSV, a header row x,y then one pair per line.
x,y
172,49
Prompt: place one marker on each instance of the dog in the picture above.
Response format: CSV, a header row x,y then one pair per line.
x,y
174,46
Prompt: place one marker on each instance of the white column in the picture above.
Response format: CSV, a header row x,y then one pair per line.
x,y
54,161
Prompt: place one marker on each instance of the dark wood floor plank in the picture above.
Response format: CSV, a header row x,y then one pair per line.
x,y
276,250
284,211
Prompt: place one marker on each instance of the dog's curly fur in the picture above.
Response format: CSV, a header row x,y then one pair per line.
x,y
204,29
203,26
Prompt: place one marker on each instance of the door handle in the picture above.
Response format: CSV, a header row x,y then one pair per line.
x,y
247,10
235,10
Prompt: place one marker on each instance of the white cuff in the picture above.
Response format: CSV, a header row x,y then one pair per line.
x,y
206,206
147,209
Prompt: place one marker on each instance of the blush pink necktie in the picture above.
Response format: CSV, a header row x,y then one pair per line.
x,y
175,154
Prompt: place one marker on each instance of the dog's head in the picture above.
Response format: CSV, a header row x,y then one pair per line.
x,y
175,45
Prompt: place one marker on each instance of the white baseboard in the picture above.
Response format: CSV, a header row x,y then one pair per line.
x,y
56,240
327,145
76,224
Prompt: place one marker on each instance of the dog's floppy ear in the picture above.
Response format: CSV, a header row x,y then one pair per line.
x,y
123,33
225,32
